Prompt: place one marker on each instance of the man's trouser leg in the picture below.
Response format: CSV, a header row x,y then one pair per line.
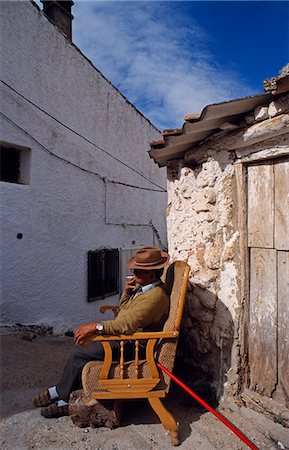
x,y
71,376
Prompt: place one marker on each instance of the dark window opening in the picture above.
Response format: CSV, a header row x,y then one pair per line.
x,y
103,273
10,164
15,162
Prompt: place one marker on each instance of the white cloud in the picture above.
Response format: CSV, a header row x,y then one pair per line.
x,y
155,55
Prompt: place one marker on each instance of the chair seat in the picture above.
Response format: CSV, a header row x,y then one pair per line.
x,y
91,373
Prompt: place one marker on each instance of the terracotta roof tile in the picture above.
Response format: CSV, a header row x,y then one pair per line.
x,y
213,119
198,127
277,85
172,132
192,117
157,144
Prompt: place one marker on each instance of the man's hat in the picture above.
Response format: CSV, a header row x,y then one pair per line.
x,y
148,258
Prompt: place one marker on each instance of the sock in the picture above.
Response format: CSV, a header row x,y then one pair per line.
x,y
61,403
53,393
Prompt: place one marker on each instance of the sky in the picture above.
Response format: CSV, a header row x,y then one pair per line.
x,y
174,58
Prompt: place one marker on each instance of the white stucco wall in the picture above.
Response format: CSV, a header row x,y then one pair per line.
x,y
65,210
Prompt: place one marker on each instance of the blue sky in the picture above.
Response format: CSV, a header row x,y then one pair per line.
x,y
174,58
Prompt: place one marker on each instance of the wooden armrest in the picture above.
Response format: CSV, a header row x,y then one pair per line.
x,y
135,336
113,308
136,383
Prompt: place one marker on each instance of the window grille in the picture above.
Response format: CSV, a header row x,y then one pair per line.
x,y
103,273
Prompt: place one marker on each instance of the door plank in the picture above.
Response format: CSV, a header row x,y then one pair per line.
x,y
261,206
263,321
281,172
283,322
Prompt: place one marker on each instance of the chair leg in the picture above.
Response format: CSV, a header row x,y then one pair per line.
x,y
118,406
166,419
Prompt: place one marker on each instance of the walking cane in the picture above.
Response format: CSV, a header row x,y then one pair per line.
x,y
210,409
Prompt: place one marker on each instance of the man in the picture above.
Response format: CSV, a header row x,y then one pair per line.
x,y
144,305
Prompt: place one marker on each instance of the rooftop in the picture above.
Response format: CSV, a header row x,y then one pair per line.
x,y
226,116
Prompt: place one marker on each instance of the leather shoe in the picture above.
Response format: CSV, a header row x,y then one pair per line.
x,y
42,399
54,411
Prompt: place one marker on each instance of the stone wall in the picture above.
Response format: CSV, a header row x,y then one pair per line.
x,y
204,230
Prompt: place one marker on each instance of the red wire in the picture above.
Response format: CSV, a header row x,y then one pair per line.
x,y
209,408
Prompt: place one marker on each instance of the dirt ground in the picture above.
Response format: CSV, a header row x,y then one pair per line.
x,y
30,365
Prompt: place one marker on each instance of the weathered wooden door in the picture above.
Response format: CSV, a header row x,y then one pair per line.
x,y
268,241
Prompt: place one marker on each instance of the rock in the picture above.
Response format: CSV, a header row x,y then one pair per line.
x,y
279,106
280,434
187,194
261,113
26,335
210,196
202,207
232,376
85,412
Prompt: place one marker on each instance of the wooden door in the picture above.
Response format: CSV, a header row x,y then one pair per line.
x,y
268,241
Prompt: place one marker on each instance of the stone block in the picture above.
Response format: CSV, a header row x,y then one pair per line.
x,y
279,106
205,216
187,194
232,376
202,207
210,196
261,113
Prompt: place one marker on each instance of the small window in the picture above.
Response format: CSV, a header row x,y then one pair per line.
x,y
15,164
103,273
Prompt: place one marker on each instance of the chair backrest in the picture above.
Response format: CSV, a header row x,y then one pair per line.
x,y
176,285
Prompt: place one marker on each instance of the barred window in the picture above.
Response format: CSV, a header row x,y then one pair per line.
x,y
103,273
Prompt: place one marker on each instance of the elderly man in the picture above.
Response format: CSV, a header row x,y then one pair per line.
x,y
144,305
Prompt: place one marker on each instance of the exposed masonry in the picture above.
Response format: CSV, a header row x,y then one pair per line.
x,y
203,229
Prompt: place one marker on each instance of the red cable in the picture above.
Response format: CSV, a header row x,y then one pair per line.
x,y
209,408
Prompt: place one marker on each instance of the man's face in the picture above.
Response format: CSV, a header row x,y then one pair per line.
x,y
144,277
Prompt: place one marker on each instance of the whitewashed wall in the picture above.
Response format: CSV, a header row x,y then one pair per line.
x,y
64,212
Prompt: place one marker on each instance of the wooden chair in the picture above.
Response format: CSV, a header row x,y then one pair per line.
x,y
141,378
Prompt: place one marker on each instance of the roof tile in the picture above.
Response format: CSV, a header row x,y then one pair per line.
x,y
172,132
157,144
192,117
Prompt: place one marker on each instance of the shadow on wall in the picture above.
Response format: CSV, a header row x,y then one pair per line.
x,y
205,344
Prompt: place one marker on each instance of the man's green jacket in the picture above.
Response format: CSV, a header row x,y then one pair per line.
x,y
146,312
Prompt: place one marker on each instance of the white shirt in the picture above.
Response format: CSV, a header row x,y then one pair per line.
x,y
146,288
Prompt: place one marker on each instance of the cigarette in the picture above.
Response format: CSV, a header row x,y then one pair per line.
x,y
129,277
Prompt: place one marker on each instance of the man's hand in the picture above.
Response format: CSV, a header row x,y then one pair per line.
x,y
83,331
130,284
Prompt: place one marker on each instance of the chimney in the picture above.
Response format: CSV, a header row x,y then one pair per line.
x,y
60,14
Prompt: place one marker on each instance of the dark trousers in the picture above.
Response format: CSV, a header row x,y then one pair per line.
x,y
71,376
